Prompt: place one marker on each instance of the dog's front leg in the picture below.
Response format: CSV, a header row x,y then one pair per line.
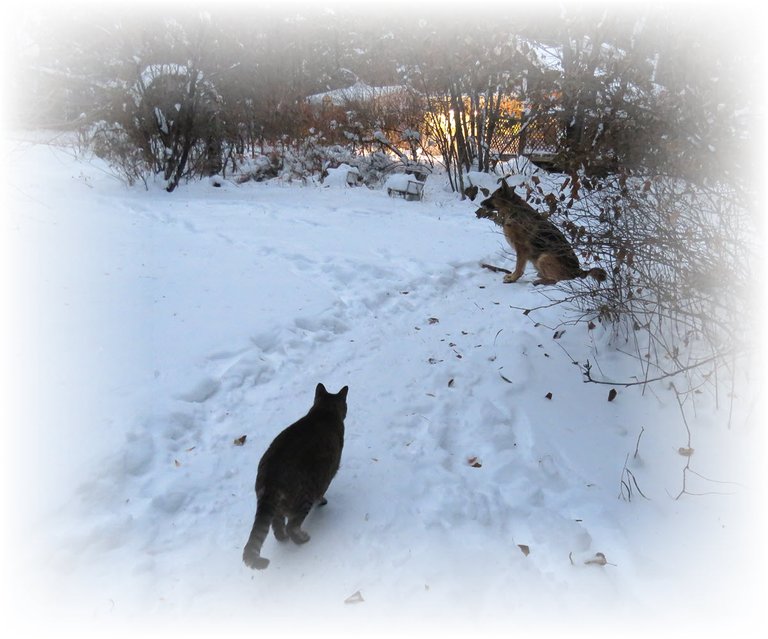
x,y
522,258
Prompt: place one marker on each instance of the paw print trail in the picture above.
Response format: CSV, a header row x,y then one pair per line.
x,y
452,458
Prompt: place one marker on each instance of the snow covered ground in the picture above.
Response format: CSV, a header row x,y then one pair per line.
x,y
148,331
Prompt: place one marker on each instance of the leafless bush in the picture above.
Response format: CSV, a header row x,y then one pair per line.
x,y
114,145
681,259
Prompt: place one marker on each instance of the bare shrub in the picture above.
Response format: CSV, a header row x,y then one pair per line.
x,y
681,259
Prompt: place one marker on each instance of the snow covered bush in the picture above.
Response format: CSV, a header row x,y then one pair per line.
x,y
164,123
258,168
113,144
682,267
308,161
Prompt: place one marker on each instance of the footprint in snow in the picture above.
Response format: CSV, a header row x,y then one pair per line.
x,y
170,502
202,392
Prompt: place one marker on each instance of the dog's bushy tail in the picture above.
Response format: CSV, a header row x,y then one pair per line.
x,y
597,273
252,551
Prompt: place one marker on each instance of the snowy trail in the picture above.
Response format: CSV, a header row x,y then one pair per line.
x,y
240,300
410,435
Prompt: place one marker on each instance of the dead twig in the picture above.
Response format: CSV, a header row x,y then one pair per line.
x,y
637,446
495,269
628,480
586,370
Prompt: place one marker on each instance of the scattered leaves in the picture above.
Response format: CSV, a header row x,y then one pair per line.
x,y
433,320
176,463
548,395
474,462
612,394
591,325
685,452
524,549
354,598
450,382
558,334
509,381
432,360
240,441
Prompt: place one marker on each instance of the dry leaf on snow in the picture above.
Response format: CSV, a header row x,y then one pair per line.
x,y
598,560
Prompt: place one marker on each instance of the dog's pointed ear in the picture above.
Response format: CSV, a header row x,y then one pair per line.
x,y
504,187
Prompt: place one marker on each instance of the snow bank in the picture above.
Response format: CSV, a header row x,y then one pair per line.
x,y
340,176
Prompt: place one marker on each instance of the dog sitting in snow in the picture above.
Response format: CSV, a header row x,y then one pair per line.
x,y
534,239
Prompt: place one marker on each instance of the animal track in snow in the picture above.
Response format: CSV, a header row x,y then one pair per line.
x,y
169,502
202,392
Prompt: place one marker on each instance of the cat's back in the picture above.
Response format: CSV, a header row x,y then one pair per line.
x,y
313,444
310,434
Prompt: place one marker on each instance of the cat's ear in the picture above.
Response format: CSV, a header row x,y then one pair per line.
x,y
320,391
343,393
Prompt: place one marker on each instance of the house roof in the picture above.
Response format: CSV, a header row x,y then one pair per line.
x,y
358,92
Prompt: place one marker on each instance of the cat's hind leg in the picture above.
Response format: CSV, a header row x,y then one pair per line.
x,y
278,527
295,532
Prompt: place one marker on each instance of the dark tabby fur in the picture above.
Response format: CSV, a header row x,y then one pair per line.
x,y
295,472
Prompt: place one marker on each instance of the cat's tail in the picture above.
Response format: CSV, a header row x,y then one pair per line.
x,y
252,550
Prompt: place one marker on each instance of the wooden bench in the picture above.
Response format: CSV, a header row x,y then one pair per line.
x,y
409,188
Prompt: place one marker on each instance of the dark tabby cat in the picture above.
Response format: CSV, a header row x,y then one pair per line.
x,y
295,472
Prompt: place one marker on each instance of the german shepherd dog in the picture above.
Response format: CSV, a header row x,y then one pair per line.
x,y
534,239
